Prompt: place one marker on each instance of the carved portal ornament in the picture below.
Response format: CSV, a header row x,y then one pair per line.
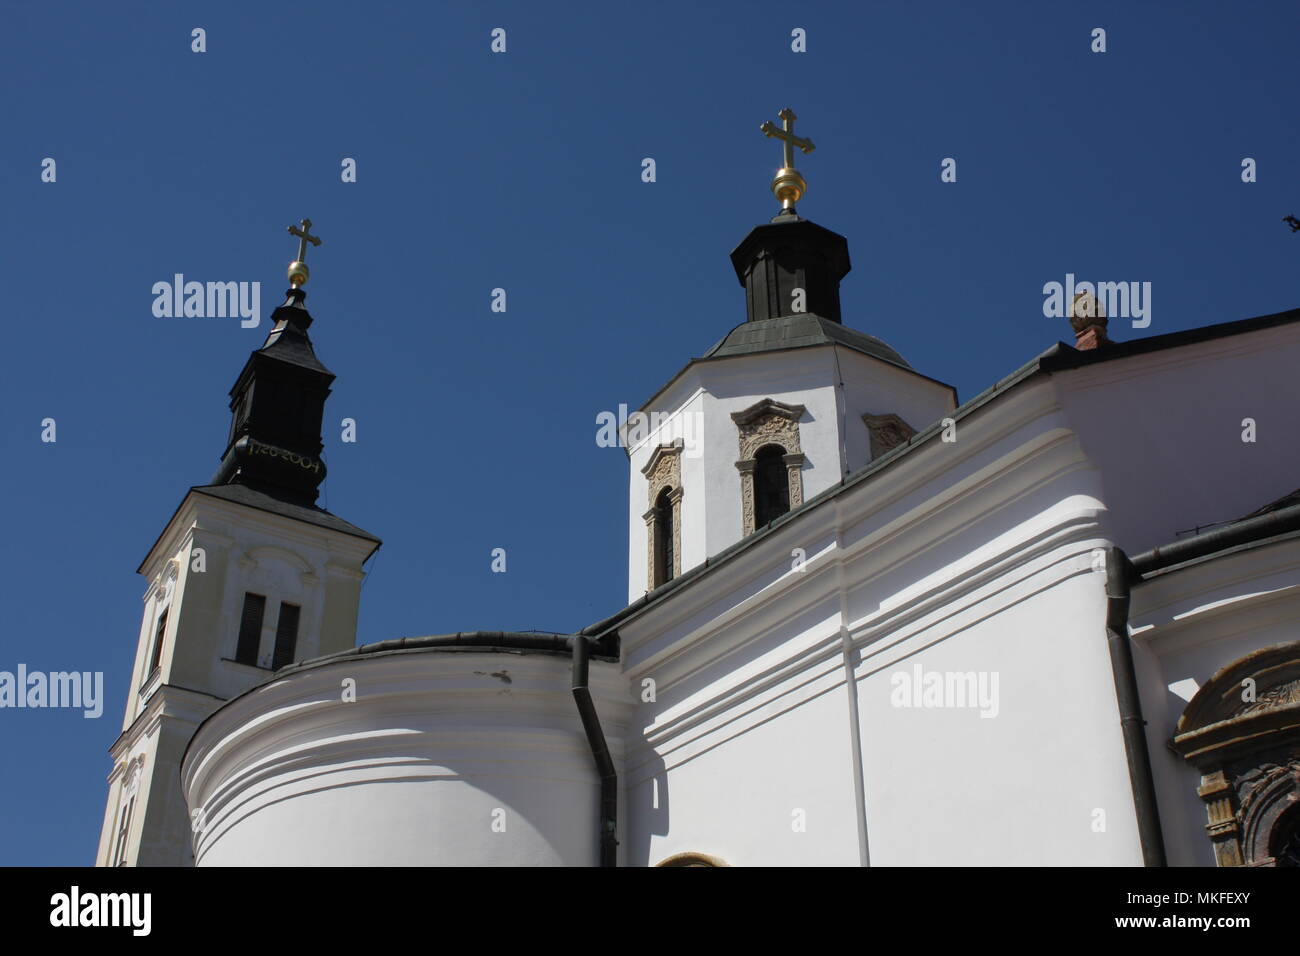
x,y
1242,732
764,423
887,433
664,470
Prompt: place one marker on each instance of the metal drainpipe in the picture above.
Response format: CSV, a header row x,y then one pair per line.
x,y
599,752
1119,572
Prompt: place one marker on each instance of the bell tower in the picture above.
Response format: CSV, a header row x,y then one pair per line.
x,y
248,575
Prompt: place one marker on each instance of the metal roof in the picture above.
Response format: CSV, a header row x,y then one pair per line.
x,y
799,331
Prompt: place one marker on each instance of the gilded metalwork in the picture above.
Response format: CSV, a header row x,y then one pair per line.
x,y
788,186
297,271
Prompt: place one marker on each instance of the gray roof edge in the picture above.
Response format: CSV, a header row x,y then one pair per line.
x,y
708,359
308,514
1071,358
338,524
486,642
829,329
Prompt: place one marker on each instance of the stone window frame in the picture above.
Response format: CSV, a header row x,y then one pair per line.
x,y
664,470
124,817
887,433
768,422
1248,752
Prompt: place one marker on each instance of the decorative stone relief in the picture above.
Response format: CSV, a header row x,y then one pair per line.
x,y
131,776
887,433
664,470
768,422
1242,732
794,474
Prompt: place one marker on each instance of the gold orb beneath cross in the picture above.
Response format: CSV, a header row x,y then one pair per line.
x,y
788,186
297,273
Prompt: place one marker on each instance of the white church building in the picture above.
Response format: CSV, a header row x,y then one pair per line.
x,y
1056,624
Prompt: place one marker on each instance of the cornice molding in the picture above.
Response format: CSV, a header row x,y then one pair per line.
x,y
660,452
932,519
1057,554
768,406
199,512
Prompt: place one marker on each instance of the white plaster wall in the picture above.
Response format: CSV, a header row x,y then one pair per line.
x,y
968,557
680,412
773,788
976,556
878,388
436,749
247,550
1023,785
799,377
1165,430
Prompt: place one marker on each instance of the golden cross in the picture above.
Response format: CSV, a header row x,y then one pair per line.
x,y
298,268
305,237
787,136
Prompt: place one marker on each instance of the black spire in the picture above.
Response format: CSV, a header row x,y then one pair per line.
x,y
791,253
277,405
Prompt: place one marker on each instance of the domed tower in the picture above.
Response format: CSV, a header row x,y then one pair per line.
x,y
782,408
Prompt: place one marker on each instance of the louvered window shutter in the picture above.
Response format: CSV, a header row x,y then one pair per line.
x,y
250,629
286,635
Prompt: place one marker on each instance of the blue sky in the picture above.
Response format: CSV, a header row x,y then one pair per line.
x,y
522,171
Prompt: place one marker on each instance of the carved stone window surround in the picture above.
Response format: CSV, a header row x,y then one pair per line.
x,y
768,422
664,470
1247,750
887,433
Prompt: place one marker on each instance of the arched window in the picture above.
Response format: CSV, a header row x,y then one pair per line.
x,y
663,537
771,485
770,463
663,519
1284,841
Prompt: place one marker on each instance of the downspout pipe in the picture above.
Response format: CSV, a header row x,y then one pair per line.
x,y
1119,574
599,752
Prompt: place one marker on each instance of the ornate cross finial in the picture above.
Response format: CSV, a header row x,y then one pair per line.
x,y
298,268
788,186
